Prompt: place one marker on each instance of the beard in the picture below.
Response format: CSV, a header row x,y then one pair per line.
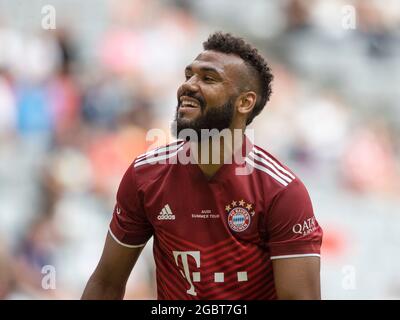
x,y
216,119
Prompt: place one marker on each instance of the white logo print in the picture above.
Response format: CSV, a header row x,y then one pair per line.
x,y
308,226
186,272
192,277
166,213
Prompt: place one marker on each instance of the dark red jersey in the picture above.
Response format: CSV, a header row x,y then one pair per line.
x,y
215,238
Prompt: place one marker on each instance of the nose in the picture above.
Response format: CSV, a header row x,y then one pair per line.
x,y
190,85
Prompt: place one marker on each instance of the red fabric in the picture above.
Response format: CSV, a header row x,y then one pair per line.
x,y
230,224
291,223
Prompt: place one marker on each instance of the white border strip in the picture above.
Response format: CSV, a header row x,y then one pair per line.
x,y
156,159
296,256
263,161
123,244
273,175
274,162
169,147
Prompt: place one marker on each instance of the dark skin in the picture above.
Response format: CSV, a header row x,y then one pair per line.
x,y
215,77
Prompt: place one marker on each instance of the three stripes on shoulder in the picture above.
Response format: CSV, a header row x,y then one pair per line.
x,y
159,154
269,166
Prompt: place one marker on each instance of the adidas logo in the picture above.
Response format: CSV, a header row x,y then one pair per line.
x,y
166,214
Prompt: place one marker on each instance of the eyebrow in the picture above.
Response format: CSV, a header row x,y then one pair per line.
x,y
204,69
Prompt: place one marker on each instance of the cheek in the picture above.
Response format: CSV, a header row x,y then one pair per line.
x,y
214,95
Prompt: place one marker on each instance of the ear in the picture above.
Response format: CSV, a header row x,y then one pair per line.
x,y
246,102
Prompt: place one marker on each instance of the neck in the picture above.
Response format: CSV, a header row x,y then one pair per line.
x,y
213,152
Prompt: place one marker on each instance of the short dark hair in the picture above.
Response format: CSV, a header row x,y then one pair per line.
x,y
227,43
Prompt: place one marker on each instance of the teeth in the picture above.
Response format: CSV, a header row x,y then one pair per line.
x,y
190,103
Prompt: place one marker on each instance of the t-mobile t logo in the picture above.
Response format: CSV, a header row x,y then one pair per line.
x,y
195,277
219,277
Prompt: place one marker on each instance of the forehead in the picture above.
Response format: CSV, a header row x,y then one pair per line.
x,y
226,64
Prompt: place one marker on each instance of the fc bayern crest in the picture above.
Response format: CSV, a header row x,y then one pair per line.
x,y
239,217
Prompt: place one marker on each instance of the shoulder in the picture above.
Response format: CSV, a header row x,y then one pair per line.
x,y
270,169
151,163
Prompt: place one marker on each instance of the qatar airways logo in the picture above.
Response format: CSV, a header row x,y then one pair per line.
x,y
308,226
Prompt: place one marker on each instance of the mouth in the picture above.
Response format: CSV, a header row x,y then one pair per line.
x,y
188,102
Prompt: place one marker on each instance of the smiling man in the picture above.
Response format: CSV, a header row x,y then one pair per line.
x,y
225,229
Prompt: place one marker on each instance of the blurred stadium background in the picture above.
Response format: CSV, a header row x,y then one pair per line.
x,y
76,103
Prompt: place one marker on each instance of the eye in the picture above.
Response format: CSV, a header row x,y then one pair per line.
x,y
208,79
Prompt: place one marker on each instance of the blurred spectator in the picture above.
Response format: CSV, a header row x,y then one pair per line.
x,y
34,114
377,28
36,251
7,275
369,161
8,108
298,15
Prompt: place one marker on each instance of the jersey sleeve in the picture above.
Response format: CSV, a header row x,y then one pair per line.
x,y
292,228
129,225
